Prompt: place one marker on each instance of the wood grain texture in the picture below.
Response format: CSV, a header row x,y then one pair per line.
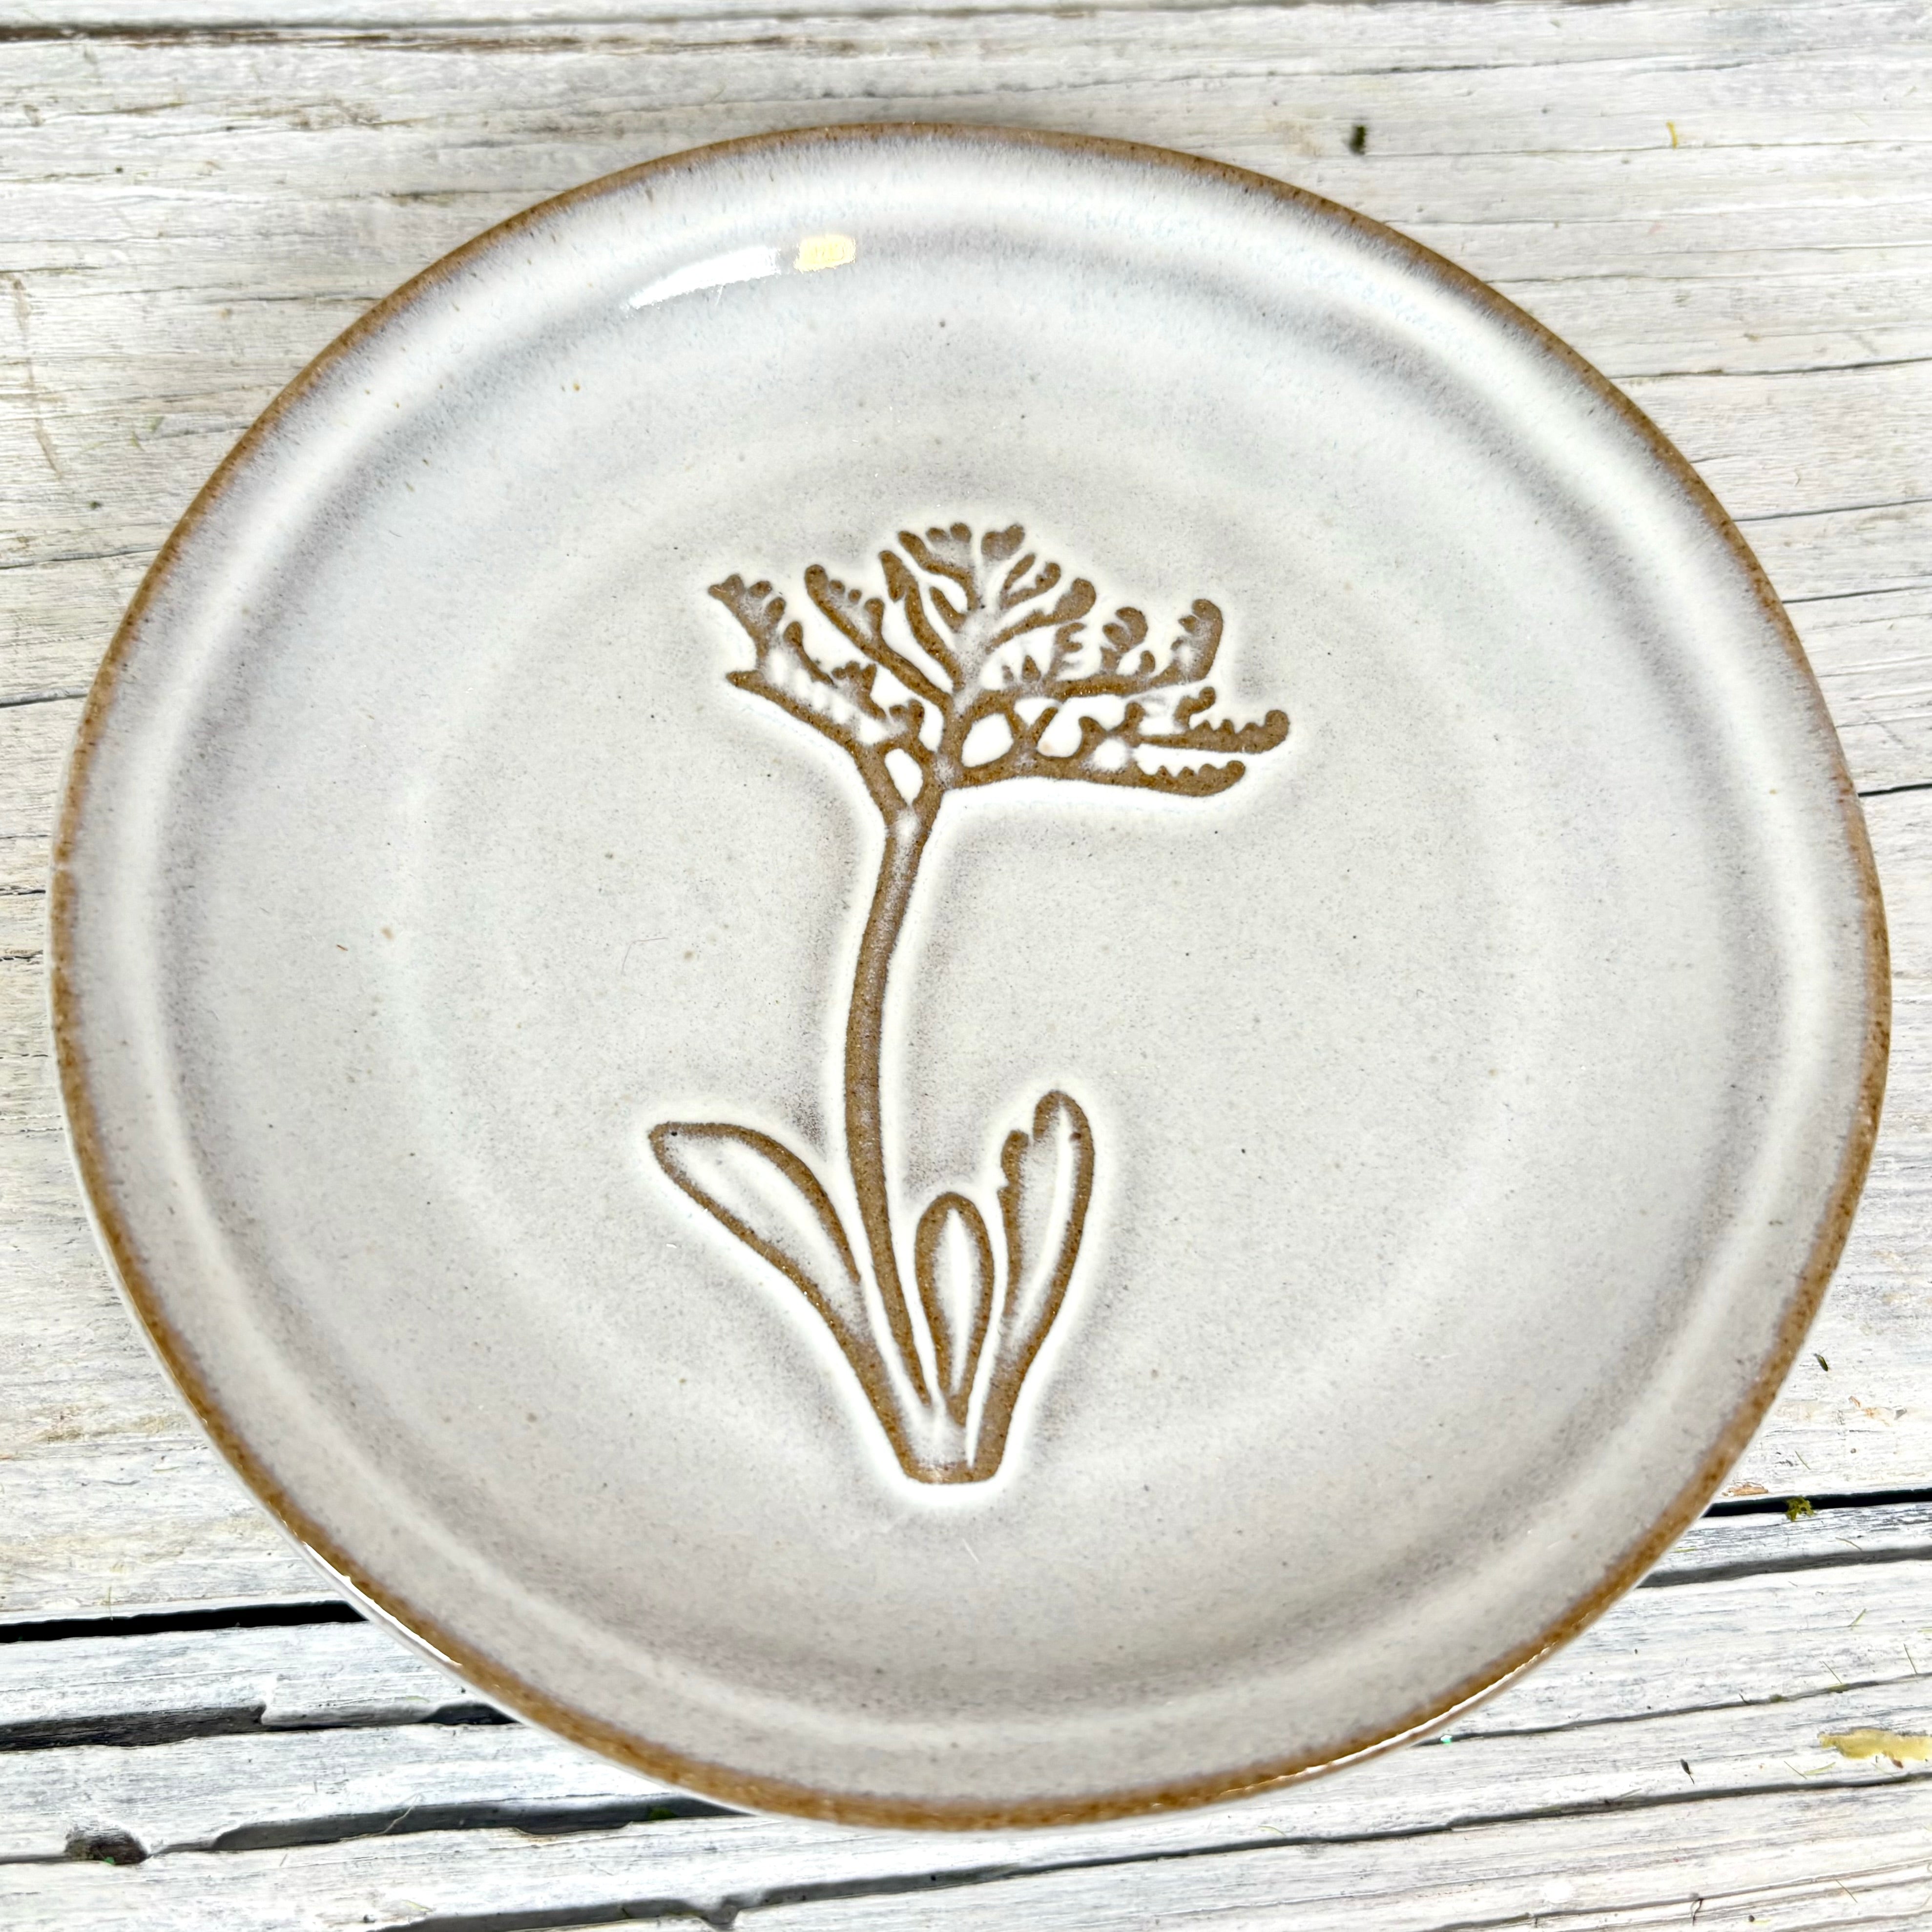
x,y
1777,1853
1793,1862
143,1688
1728,207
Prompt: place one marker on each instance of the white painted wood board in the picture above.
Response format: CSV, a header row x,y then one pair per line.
x,y
160,1686
1796,1862
1785,1854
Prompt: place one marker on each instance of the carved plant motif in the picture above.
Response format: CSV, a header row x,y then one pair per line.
x,y
975,667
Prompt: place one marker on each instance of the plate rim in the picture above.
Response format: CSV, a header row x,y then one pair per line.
x,y
391,1607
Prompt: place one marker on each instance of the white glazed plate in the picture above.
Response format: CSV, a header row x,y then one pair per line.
x,y
956,978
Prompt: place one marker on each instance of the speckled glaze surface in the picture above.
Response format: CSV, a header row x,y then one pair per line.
x,y
953,978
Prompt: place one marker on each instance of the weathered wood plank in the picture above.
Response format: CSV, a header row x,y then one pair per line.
x,y
1872,654
1852,1425
1650,1857
248,1792
1798,1861
192,216
1777,1543
160,1686
1523,31
236,1794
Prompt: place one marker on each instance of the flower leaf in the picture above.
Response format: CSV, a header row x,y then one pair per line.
x,y
768,1198
1048,1185
953,1262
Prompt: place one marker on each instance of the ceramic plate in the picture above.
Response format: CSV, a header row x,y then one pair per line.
x,y
955,978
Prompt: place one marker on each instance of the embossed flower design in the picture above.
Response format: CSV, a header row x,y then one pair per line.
x,y
975,667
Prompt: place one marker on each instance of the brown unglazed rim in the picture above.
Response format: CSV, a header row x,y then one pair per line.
x,y
493,1677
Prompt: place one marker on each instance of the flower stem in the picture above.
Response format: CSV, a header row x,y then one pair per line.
x,y
906,835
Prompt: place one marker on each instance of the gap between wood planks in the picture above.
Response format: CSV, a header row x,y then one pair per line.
x,y
148,1623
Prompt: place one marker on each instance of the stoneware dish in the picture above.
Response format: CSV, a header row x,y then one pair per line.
x,y
953,978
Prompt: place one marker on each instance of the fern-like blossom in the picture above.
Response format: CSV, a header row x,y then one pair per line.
x,y
991,637
992,670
